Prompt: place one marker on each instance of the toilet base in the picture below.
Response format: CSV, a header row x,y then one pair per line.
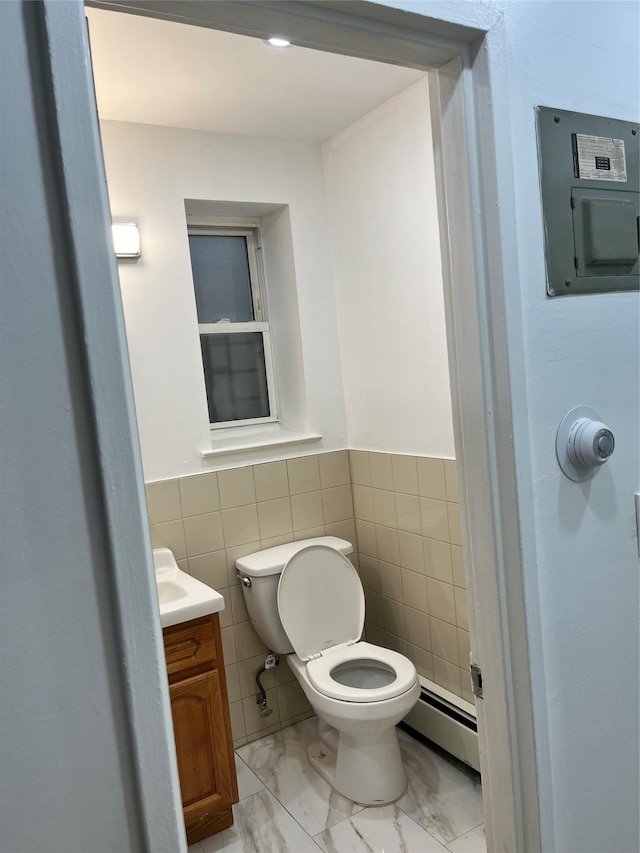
x,y
367,770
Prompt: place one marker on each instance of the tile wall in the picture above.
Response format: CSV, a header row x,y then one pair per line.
x,y
407,520
401,513
209,520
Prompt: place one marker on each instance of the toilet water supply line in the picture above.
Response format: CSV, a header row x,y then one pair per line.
x,y
270,662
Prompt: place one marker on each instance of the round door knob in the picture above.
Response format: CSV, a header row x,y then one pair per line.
x,y
583,443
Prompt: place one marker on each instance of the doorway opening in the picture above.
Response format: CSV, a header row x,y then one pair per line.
x,y
453,183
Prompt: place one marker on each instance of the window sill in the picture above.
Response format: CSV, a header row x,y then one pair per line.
x,y
256,440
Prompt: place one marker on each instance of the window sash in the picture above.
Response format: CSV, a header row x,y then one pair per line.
x,y
254,248
236,328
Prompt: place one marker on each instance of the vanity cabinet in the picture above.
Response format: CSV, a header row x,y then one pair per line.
x,y
202,729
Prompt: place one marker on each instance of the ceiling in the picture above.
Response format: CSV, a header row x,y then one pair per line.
x,y
159,72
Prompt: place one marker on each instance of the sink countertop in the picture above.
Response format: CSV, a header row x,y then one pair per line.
x,y
180,596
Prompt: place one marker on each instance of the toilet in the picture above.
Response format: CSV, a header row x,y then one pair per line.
x,y
305,600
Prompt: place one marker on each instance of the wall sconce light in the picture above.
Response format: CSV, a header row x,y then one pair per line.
x,y
126,239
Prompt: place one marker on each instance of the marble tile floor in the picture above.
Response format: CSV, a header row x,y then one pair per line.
x,y
285,807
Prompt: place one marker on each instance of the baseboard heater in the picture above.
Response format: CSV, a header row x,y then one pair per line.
x,y
446,720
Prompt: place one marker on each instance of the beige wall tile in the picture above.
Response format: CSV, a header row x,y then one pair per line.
x,y
431,482
462,609
435,521
309,533
247,671
271,481
457,561
408,513
238,606
405,474
233,682
369,572
363,502
229,645
251,736
306,510
441,600
183,565
381,471
240,525
396,644
444,641
297,719
238,730
393,614
367,540
283,672
199,494
467,695
236,551
291,700
226,614
411,551
304,474
337,504
421,659
447,675
274,518
464,648
163,501
203,533
334,469
248,643
418,628
384,508
210,569
236,487
437,560
451,480
252,719
388,548
375,635
414,590
360,467
170,534
273,541
343,530
455,533
391,581
373,608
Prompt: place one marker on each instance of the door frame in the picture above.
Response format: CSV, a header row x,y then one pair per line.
x,y
469,88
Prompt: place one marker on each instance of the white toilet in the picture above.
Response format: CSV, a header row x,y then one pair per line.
x,y
305,600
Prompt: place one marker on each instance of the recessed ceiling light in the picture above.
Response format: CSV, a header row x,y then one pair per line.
x,y
278,42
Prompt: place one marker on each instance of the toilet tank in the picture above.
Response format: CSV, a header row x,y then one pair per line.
x,y
260,574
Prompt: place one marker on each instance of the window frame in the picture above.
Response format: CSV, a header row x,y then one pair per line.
x,y
253,236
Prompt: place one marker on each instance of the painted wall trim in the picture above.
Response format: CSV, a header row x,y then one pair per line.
x,y
108,389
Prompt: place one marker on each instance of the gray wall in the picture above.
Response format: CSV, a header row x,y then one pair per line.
x,y
69,777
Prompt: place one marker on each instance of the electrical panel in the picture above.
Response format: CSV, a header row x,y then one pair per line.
x,y
590,184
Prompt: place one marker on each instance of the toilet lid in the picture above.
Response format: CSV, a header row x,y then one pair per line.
x,y
320,601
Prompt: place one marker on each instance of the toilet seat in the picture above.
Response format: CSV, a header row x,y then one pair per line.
x,y
320,672
320,601
321,606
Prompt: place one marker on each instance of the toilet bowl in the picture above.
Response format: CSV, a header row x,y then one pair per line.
x,y
305,600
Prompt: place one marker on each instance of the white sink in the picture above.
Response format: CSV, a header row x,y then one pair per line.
x,y
180,596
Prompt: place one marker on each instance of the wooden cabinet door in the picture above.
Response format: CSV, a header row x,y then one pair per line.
x,y
202,749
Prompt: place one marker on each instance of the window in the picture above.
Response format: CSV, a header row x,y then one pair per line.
x,y
234,332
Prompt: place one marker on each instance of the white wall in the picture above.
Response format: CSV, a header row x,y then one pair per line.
x,y
580,549
150,172
386,249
